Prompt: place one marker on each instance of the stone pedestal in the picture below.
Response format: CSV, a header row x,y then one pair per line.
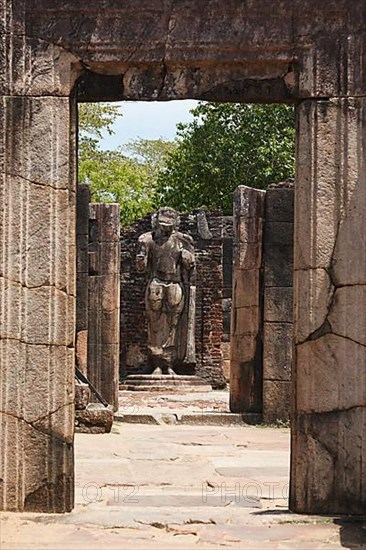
x,y
328,466
94,419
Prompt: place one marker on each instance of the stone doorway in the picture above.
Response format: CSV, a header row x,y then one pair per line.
x,y
285,51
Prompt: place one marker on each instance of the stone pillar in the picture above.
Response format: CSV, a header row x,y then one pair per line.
x,y
82,262
246,377
328,464
37,289
37,269
227,271
104,300
278,308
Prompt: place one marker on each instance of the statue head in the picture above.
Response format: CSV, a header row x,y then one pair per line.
x,y
166,220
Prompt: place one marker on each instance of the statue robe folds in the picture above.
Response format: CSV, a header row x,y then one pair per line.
x,y
167,257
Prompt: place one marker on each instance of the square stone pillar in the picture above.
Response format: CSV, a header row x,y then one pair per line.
x,y
37,303
246,372
82,279
328,464
278,308
104,300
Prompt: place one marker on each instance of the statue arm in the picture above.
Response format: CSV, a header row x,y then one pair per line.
x,y
142,256
188,257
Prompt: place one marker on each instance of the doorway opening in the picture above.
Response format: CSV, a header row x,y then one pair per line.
x,y
215,149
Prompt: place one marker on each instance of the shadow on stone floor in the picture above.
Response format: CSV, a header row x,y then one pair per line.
x,y
352,532
271,512
352,529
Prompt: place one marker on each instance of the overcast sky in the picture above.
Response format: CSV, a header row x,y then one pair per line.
x,y
149,120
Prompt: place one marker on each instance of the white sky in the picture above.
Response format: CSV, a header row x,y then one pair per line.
x,y
148,120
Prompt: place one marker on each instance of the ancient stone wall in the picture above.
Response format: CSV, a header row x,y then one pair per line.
x,y
82,277
246,369
206,230
37,272
329,416
97,311
227,271
267,50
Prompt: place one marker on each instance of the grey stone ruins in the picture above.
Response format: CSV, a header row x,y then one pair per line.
x,y
262,309
305,52
97,310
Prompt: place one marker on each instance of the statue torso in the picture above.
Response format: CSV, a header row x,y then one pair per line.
x,y
165,253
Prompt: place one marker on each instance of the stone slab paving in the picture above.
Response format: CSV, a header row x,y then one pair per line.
x,y
180,406
133,402
181,487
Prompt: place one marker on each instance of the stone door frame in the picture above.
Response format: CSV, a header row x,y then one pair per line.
x,y
289,51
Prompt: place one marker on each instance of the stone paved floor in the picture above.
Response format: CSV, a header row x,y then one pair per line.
x,y
159,406
180,487
216,400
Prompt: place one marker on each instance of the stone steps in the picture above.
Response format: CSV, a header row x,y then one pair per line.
x,y
159,382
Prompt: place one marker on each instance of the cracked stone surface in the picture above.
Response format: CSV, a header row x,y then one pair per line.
x,y
328,459
37,289
246,331
180,487
289,50
324,363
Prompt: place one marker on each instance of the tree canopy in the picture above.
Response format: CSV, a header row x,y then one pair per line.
x,y
224,146
227,145
126,175
96,117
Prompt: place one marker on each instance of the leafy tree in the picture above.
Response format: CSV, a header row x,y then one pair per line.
x,y
114,177
127,175
227,145
96,117
151,153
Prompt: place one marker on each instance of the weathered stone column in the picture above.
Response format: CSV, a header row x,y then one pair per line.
x,y
227,272
328,471
37,289
37,269
104,300
278,309
82,280
246,376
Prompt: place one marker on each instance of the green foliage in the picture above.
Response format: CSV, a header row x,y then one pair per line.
x,y
151,153
96,117
129,179
227,145
115,178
